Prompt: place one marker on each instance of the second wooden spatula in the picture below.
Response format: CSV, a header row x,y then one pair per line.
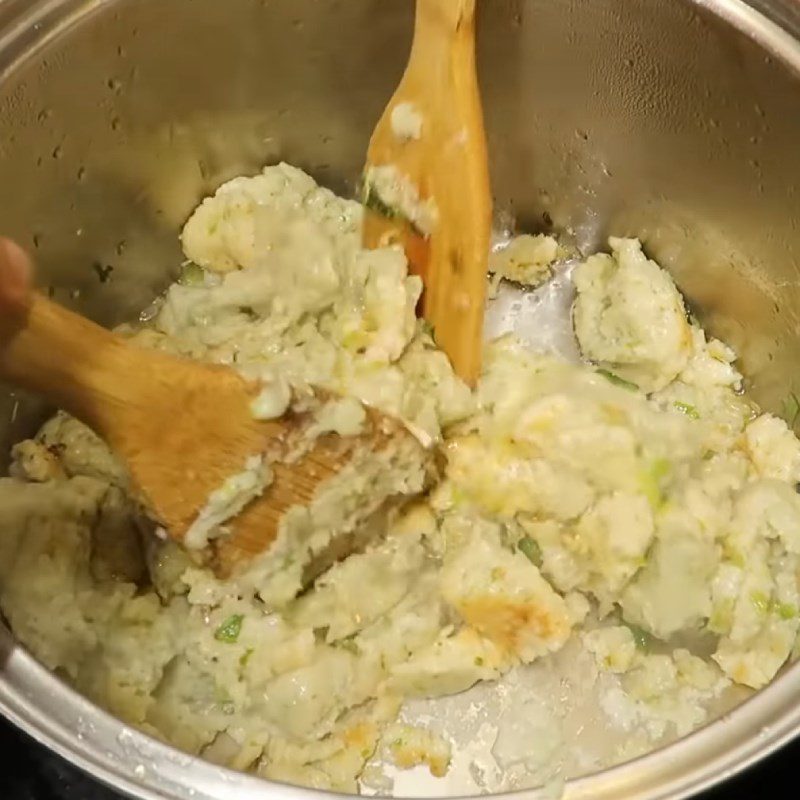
x,y
427,178
184,428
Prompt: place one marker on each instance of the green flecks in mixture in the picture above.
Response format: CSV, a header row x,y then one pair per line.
x,y
733,554
374,202
791,409
721,617
428,329
371,199
660,469
229,631
760,601
617,381
652,481
689,410
641,637
192,275
531,550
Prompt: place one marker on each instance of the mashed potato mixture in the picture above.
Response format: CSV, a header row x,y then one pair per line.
x,y
633,512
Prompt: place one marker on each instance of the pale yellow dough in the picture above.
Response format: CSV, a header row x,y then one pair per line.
x,y
623,500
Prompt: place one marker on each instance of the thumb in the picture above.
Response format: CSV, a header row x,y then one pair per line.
x,y
16,278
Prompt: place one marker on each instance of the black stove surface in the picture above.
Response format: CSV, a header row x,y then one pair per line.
x,y
30,772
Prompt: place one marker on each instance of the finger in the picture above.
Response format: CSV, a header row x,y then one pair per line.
x,y
16,277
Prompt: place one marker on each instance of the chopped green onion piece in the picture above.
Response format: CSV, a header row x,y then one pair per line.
x,y
531,550
721,617
478,661
192,275
660,468
229,631
791,409
617,381
641,637
650,483
246,657
734,555
373,201
787,611
760,601
685,408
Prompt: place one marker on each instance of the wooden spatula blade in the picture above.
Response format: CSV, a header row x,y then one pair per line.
x,y
448,165
304,478
182,428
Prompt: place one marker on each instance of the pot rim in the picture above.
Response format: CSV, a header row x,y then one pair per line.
x,y
122,757
56,716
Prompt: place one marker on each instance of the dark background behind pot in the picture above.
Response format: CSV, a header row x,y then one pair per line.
x,y
33,773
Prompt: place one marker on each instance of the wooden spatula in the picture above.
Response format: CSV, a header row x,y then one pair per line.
x,y
432,134
182,427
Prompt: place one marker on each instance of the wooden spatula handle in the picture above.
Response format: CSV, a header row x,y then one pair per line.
x,y
73,362
451,11
440,23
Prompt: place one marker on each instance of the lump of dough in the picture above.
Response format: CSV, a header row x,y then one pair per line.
x,y
503,596
526,259
629,317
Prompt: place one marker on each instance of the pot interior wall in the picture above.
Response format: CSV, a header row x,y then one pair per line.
x,y
637,117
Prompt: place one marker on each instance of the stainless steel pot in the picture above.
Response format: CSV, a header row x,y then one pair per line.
x,y
675,120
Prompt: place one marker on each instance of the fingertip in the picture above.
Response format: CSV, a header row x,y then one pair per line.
x,y
13,254
16,274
